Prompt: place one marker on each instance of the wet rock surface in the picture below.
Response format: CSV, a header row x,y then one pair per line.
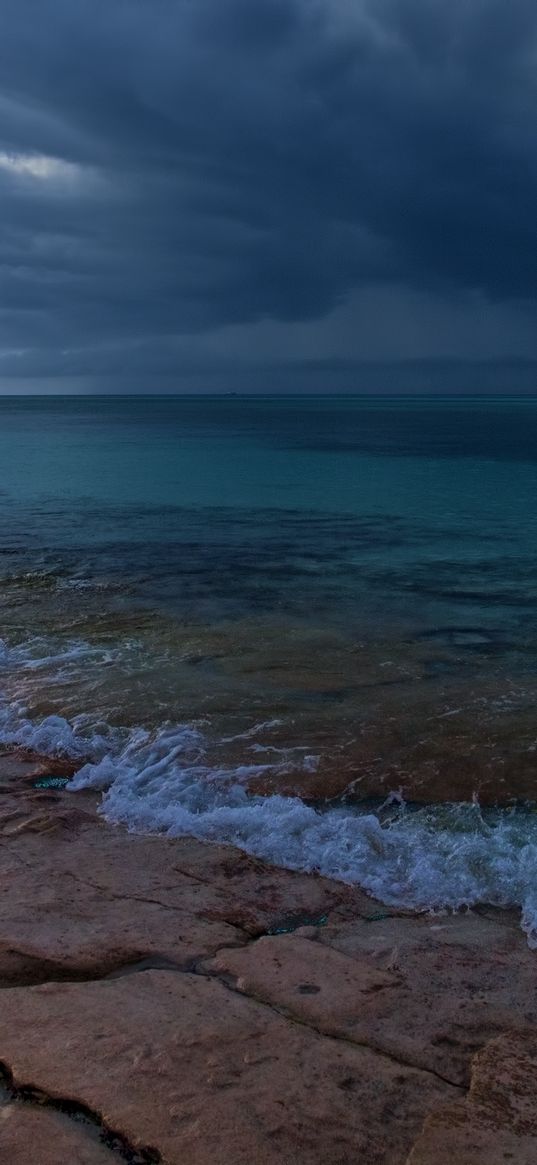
x,y
31,1133
197,1005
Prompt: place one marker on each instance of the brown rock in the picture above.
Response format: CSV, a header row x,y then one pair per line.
x,y
66,914
426,991
40,1136
23,764
159,1009
497,1122
460,980
318,985
180,1063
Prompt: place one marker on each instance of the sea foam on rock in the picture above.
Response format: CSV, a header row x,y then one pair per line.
x,y
450,856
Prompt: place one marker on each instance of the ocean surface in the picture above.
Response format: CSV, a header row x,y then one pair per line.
x,y
259,620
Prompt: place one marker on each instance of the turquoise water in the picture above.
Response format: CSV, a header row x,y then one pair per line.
x,y
431,498
222,600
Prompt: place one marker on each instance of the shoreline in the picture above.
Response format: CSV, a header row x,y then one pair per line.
x,y
192,1003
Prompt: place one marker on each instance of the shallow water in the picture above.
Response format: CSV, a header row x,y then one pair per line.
x,y
213,598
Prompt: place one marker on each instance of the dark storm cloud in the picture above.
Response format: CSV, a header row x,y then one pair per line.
x,y
217,162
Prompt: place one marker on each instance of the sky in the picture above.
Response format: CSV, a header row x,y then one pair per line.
x,y
268,195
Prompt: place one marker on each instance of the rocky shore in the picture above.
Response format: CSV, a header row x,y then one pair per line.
x,y
169,1001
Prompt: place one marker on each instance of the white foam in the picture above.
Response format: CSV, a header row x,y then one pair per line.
x,y
53,735
81,737
451,856
37,654
444,857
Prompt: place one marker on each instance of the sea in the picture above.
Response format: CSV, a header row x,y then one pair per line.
x,y
304,626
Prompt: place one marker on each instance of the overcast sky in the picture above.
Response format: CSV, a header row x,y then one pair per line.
x,y
206,195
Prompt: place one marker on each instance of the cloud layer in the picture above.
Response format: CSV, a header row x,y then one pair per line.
x,y
188,185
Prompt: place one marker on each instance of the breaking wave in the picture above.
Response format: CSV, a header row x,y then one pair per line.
x,y
450,856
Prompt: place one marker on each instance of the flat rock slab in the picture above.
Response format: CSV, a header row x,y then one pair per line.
x,y
312,982
422,990
39,1136
62,917
179,1063
462,980
497,1122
